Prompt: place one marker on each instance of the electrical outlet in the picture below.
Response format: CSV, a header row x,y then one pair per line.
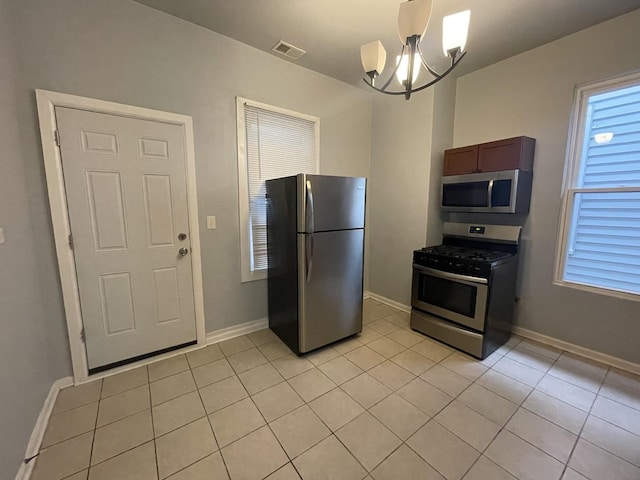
x,y
1,235
211,223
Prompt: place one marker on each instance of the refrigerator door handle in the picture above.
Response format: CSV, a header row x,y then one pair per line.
x,y
310,212
309,256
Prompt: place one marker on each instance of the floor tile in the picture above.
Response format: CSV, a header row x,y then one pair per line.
x,y
277,401
260,378
556,411
523,460
404,463
467,424
172,387
547,436
391,375
531,359
406,338
70,424
138,464
596,463
368,335
424,396
336,408
176,413
364,357
124,381
567,392
463,365
274,350
432,350
340,370
243,361
209,468
167,367
322,356
329,460
449,455
73,397
120,436
399,416
347,345
184,446
580,371
254,456
284,473
291,365
212,372
618,414
413,362
446,380
123,404
487,403
540,349
518,371
262,336
624,394
485,469
620,378
505,386
399,319
235,345
386,347
299,430
83,475
235,421
614,439
383,327
63,459
311,384
366,390
381,310
570,474
208,354
222,393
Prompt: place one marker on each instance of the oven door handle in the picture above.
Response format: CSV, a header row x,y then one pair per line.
x,y
450,276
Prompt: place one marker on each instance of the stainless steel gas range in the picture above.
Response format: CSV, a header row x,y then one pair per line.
x,y
464,290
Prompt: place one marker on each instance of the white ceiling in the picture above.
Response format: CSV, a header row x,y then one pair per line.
x,y
331,31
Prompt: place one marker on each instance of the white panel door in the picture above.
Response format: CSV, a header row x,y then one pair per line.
x,y
126,191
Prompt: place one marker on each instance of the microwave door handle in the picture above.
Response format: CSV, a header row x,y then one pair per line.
x,y
449,275
310,210
490,193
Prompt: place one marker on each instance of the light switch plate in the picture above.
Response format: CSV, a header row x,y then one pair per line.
x,y
211,222
1,236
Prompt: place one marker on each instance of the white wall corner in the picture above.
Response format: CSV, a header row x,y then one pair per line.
x,y
237,330
35,441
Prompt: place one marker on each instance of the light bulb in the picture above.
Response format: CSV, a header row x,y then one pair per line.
x,y
403,70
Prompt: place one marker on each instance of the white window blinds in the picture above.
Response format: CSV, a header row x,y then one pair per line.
x,y
278,144
603,238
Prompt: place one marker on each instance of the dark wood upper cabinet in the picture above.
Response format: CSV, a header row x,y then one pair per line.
x,y
509,154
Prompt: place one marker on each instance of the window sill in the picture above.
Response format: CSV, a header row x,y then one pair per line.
x,y
600,291
253,276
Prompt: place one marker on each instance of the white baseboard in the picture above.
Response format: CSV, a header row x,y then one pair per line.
x,y
366,294
33,447
388,301
237,330
578,350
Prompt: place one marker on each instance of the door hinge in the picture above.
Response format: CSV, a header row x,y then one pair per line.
x,y
56,136
82,336
71,241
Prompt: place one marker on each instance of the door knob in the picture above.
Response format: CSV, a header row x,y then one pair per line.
x,y
183,251
182,236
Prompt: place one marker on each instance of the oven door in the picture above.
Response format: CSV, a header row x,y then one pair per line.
x,y
459,298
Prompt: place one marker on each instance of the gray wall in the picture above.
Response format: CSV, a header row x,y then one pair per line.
x,y
532,94
125,52
32,337
400,169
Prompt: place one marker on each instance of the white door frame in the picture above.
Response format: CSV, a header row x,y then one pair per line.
x,y
47,101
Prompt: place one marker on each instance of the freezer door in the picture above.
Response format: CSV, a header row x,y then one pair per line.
x,y
330,287
328,203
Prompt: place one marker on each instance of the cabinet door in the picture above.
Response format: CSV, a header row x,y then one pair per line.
x,y
459,161
508,154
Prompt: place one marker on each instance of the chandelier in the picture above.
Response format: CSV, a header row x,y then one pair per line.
x,y
413,20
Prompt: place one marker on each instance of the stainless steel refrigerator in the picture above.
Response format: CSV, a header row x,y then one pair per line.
x,y
315,236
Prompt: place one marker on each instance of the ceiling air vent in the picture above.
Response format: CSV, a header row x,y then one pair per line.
x,y
288,50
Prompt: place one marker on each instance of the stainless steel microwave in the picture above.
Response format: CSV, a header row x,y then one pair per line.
x,y
507,191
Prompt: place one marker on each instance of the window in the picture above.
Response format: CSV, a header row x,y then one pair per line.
x,y
272,143
600,229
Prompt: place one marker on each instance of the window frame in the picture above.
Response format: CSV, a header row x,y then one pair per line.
x,y
572,171
244,213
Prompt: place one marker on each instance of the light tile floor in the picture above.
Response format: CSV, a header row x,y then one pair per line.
x,y
387,404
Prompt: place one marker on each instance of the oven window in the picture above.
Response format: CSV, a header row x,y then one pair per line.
x,y
472,194
501,193
452,296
